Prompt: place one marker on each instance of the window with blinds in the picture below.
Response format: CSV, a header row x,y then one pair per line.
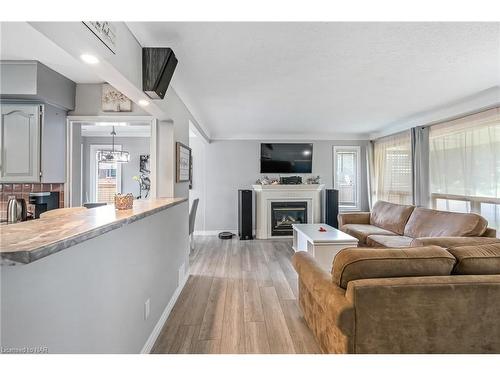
x,y
393,168
465,165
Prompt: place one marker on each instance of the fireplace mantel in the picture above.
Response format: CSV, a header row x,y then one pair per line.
x,y
266,194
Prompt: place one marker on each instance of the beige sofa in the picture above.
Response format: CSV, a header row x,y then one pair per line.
x,y
409,300
396,225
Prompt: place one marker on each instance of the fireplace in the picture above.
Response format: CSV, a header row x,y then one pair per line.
x,y
285,214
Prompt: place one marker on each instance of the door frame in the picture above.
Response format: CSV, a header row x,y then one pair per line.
x,y
71,120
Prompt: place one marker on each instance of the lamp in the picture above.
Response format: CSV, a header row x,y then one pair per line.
x,y
112,156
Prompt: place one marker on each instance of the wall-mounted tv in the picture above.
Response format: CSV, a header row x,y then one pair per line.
x,y
286,157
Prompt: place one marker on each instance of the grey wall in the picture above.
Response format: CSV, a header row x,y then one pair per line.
x,y
198,153
135,145
90,298
88,102
32,80
233,165
180,117
175,129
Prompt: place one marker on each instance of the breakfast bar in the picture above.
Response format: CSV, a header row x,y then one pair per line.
x,y
74,282
29,241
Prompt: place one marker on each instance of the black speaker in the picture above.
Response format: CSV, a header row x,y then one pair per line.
x,y
245,214
332,207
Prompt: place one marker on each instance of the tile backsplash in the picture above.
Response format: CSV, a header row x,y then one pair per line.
x,y
22,191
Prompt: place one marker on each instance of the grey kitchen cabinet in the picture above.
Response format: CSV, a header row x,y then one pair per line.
x,y
53,145
33,143
20,143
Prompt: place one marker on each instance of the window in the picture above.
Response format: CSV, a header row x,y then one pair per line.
x,y
346,174
465,165
392,169
105,178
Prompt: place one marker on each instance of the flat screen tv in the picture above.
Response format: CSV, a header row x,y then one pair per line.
x,y
286,157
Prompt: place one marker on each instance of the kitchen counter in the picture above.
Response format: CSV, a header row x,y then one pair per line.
x,y
29,241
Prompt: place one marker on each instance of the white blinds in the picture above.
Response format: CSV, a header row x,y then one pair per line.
x,y
392,168
465,156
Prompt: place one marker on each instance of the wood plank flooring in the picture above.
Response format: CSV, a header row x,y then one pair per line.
x,y
241,297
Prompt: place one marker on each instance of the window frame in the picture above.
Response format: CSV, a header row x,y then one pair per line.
x,y
357,150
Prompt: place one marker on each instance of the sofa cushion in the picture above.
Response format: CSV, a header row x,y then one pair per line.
x,y
390,216
388,241
477,260
362,231
365,263
424,222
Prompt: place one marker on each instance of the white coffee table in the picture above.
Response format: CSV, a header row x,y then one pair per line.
x,y
323,246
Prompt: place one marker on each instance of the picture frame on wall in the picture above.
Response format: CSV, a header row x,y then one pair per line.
x,y
183,162
113,100
105,31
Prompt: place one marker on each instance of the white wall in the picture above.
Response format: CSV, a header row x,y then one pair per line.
x,y
232,165
90,297
135,145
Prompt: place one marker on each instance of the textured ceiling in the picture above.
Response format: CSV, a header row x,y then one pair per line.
x,y
258,80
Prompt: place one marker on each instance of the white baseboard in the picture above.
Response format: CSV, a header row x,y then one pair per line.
x,y
213,232
163,318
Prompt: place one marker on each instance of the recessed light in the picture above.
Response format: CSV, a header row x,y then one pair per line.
x,y
89,59
143,102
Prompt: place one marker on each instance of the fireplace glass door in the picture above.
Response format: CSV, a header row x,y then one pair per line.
x,y
285,214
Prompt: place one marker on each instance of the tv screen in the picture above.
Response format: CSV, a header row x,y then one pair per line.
x,y
286,157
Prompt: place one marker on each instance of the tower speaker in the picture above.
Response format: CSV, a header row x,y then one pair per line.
x,y
245,215
332,207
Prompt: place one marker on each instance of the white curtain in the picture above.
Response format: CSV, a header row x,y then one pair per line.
x,y
465,156
392,168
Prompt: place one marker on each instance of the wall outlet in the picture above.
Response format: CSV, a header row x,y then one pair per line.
x,y
147,309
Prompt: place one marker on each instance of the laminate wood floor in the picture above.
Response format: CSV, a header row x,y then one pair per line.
x,y
241,297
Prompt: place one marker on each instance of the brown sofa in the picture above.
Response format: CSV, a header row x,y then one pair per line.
x,y
409,300
396,225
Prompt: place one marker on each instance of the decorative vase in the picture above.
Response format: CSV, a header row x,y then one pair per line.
x,y
124,201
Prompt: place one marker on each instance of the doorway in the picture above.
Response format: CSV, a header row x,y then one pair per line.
x,y
108,157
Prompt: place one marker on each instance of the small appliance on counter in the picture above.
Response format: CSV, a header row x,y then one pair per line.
x,y
44,201
16,210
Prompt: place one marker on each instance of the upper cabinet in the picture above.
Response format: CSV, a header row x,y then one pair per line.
x,y
35,101
33,143
20,143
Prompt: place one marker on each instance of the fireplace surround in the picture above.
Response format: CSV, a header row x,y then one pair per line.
x,y
267,197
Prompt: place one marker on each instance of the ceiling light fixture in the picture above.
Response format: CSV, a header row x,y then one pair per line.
x,y
143,103
89,59
112,156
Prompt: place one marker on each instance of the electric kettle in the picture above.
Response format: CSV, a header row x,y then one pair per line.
x,y
16,210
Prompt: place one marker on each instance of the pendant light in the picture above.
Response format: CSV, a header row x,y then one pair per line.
x,y
112,156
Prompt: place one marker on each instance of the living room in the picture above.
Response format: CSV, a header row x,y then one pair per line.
x,y
236,184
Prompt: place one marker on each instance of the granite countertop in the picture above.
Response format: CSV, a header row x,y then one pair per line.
x,y
31,240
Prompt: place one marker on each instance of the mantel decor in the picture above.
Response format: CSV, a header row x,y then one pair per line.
x,y
183,161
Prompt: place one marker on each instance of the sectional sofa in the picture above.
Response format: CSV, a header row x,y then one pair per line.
x,y
406,300
396,226
420,281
